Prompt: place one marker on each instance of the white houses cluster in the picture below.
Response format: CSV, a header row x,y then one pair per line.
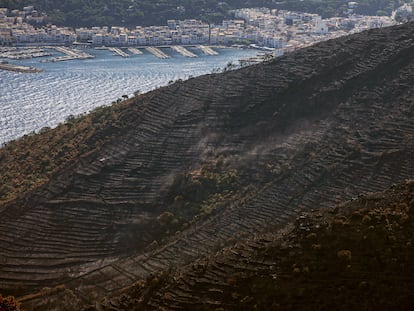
x,y
277,29
176,32
22,27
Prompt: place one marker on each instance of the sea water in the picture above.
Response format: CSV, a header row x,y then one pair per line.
x,y
29,102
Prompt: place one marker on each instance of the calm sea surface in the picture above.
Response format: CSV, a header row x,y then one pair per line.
x,y
29,102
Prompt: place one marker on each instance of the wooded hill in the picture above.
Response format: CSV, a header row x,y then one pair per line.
x,y
131,13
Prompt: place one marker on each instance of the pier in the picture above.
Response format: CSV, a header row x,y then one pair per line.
x,y
135,51
156,52
207,50
70,54
183,51
119,52
23,69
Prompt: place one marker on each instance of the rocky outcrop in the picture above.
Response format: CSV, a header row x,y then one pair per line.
x,y
304,131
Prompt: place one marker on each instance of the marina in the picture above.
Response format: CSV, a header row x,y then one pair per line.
x,y
157,52
71,53
183,51
14,53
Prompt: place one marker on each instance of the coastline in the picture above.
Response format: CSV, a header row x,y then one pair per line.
x,y
30,102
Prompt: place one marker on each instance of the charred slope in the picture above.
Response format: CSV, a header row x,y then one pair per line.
x,y
356,256
186,169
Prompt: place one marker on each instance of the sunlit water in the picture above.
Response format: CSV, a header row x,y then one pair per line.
x,y
29,102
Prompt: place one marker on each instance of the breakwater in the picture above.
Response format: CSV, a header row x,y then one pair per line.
x,y
22,69
70,54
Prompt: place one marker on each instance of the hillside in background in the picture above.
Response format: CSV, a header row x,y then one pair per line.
x,y
167,178
131,13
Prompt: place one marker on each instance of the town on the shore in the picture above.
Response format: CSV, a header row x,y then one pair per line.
x,y
272,29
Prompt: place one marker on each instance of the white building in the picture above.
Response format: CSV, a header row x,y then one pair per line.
x,y
320,26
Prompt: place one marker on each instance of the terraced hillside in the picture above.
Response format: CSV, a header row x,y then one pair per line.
x,y
356,256
185,170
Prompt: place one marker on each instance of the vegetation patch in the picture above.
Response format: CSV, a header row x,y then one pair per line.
x,y
77,13
9,303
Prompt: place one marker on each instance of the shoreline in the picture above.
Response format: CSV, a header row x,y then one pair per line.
x,y
78,86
